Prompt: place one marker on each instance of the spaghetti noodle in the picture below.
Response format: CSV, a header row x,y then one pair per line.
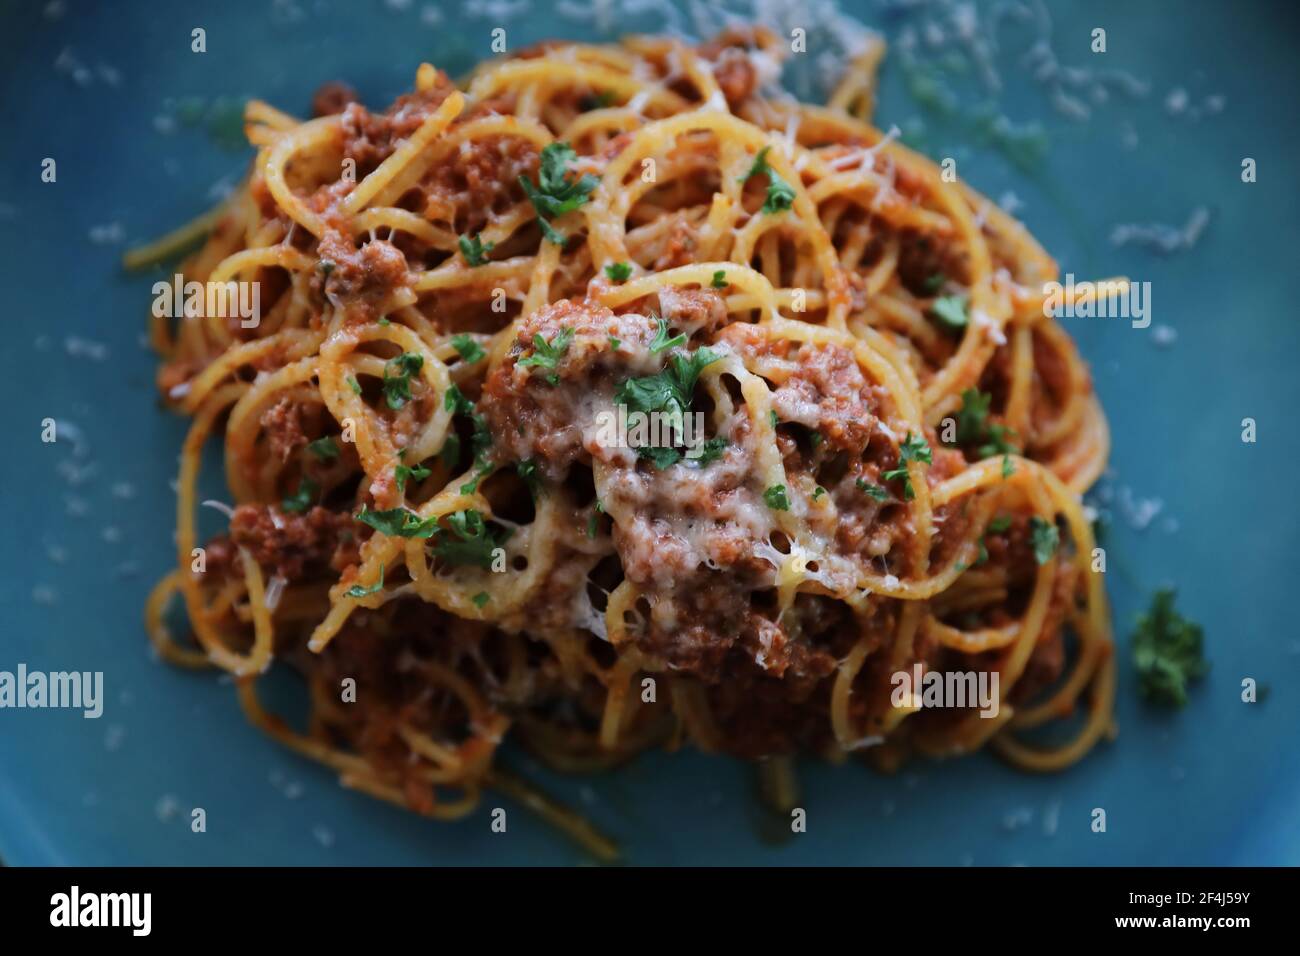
x,y
895,434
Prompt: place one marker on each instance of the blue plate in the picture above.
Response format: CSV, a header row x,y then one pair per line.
x,y
144,133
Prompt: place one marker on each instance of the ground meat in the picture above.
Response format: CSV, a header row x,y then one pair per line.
x,y
693,311
825,389
729,54
370,138
531,418
920,260
283,428
1014,549
616,146
680,250
763,716
296,546
485,172
361,281
332,98
736,76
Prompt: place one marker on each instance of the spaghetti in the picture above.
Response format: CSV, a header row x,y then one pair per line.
x,y
895,434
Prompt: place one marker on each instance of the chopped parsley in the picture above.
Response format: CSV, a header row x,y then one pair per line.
x,y
934,283
480,600
403,472
397,378
950,310
659,455
480,440
300,501
398,522
975,429
554,195
449,454
473,250
775,421
780,194
776,499
619,271
527,470
467,540
357,591
999,524
873,491
818,492
458,404
670,390
669,393
468,349
662,342
912,449
548,354
614,342
326,267
1046,537
663,457
720,279
713,450
1168,652
324,448
481,468
354,384
598,101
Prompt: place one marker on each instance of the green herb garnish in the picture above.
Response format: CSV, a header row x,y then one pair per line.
x,y
975,429
662,342
467,540
1046,537
874,491
660,456
324,448
397,378
554,195
473,250
527,470
467,348
950,310
548,354
912,449
402,472
776,499
301,500
357,591
398,522
780,194
1168,652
